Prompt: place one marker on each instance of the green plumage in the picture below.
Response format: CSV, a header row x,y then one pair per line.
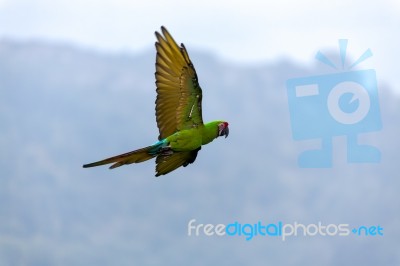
x,y
178,113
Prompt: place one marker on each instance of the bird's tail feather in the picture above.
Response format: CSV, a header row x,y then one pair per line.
x,y
136,156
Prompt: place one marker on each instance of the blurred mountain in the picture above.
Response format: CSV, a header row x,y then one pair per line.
x,y
63,106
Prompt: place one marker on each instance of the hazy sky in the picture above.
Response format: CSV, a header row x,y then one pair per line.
x,y
241,31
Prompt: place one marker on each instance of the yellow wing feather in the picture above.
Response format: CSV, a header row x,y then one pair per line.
x,y
178,103
168,163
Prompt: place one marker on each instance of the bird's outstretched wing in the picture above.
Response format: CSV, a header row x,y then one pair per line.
x,y
178,103
168,163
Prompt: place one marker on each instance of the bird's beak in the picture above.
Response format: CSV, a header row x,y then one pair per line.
x,y
224,132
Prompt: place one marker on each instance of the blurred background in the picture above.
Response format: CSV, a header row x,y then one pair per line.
x,y
77,85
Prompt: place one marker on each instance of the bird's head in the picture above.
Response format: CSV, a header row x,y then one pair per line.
x,y
223,129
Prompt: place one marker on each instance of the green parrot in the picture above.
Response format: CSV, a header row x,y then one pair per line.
x,y
178,113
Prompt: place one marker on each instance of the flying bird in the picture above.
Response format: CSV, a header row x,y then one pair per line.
x,y
178,113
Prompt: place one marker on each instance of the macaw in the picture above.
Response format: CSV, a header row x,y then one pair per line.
x,y
178,113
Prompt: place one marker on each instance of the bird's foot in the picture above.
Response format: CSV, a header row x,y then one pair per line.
x,y
166,151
